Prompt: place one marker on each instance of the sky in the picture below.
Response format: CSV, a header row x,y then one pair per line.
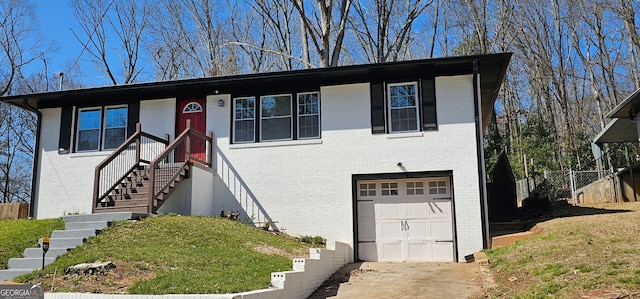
x,y
56,22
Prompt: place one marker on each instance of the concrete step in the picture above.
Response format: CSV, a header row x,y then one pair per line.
x,y
74,233
113,216
37,252
29,263
66,242
7,275
87,225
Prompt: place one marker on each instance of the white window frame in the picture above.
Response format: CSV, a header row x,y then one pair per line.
x,y
233,132
290,116
415,108
104,125
77,130
301,115
101,129
192,104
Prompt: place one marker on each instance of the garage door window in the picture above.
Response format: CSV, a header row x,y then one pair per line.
x,y
389,189
415,188
367,189
438,187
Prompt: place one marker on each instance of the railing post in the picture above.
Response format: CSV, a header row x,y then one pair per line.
x,y
152,186
187,146
96,189
210,149
138,130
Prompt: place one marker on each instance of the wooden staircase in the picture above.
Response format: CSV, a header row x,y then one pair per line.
x,y
140,175
132,193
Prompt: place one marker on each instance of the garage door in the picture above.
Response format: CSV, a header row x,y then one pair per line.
x,y
405,220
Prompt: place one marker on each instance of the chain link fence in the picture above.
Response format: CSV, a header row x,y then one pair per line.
x,y
558,185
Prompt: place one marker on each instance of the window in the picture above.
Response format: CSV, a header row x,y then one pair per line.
x,y
403,107
276,117
88,129
192,107
244,119
308,115
368,189
96,132
438,187
389,189
415,188
115,127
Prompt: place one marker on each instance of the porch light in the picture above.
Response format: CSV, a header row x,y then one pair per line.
x,y
220,103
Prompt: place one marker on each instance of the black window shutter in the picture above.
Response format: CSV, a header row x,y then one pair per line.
x,y
429,119
133,117
377,108
64,142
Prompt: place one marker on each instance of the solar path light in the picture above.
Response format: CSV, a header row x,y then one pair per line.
x,y
45,248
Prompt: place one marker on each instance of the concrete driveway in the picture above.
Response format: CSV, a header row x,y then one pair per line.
x,y
402,280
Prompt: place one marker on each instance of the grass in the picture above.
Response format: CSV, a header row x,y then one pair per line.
x,y
591,249
182,254
16,235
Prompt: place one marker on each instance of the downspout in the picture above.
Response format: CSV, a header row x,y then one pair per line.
x,y
36,157
486,240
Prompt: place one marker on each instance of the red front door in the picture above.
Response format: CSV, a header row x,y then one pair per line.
x,y
193,110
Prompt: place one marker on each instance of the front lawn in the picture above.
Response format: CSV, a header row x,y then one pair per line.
x,y
16,235
176,255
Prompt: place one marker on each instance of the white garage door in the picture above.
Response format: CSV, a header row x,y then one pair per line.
x,y
405,220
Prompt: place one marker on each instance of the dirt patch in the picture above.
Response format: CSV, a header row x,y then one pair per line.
x,y
114,281
270,250
587,251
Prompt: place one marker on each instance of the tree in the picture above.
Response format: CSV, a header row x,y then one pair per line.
x,y
384,28
187,40
325,30
113,31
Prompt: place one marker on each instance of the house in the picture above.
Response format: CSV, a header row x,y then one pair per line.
x,y
385,157
624,183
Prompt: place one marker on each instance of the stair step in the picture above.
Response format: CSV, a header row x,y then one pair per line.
x,y
114,216
87,225
66,242
36,252
9,274
29,263
134,197
75,233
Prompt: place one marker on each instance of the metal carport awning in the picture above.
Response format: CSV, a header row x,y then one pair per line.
x,y
617,131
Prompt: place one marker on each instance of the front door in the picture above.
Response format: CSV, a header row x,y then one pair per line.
x,y
193,110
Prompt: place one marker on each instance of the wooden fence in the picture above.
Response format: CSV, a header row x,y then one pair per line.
x,y
14,210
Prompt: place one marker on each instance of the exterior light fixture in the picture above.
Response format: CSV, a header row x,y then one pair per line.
x,y
220,103
45,248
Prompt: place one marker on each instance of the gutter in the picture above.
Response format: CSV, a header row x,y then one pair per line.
x,y
486,241
36,157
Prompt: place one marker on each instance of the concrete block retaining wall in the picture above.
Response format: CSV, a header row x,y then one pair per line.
x,y
307,275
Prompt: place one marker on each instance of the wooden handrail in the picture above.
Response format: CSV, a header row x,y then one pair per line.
x,y
134,138
184,137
